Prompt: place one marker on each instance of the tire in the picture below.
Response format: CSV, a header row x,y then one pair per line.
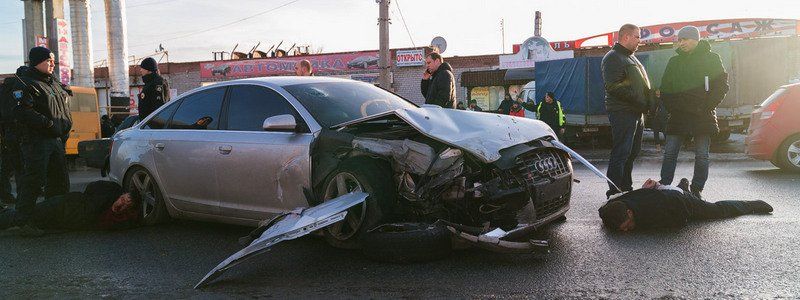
x,y
359,174
407,243
154,210
788,155
721,136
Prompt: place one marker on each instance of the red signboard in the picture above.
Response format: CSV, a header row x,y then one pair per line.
x,y
711,29
324,63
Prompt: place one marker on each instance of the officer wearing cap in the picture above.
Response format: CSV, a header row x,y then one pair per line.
x,y
155,91
45,122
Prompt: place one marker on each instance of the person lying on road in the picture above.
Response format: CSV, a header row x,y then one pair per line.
x,y
102,205
661,206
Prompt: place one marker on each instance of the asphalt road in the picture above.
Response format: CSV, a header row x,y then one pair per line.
x,y
746,257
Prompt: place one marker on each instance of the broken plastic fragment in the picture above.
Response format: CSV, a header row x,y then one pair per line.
x,y
294,224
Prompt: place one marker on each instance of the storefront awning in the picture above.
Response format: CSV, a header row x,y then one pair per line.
x,y
489,78
527,74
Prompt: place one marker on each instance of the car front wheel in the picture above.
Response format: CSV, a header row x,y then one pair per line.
x,y
359,175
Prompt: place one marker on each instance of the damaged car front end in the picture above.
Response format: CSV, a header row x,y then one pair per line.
x,y
476,170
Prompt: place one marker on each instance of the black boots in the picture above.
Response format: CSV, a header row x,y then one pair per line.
x,y
684,185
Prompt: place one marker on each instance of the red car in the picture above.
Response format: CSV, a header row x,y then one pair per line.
x,y
774,132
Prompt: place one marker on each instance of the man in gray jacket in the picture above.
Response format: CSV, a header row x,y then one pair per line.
x,y
628,96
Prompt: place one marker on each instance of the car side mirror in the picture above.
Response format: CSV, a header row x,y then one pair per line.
x,y
280,123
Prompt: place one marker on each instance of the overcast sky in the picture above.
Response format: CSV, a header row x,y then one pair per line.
x,y
470,26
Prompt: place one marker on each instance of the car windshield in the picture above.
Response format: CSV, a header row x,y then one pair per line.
x,y
333,103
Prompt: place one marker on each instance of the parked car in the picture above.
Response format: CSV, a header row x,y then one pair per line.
x,y
774,132
246,150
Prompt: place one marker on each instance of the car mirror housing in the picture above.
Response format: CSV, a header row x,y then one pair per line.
x,y
280,123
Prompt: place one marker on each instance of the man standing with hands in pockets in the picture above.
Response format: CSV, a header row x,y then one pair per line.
x,y
694,83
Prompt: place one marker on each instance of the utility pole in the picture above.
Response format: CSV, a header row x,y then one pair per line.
x,y
503,34
383,57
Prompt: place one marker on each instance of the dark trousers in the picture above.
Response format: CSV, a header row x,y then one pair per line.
x,y
702,210
10,165
44,165
626,135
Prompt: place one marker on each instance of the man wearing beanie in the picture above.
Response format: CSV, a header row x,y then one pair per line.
x,y
694,83
155,91
45,122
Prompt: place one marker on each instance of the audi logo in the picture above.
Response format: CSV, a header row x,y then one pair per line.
x,y
546,165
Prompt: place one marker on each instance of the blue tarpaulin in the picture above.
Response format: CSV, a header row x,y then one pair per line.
x,y
576,82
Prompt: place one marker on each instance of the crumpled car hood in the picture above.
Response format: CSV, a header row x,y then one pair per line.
x,y
481,134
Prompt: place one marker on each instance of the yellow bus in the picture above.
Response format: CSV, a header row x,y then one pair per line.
x,y
85,117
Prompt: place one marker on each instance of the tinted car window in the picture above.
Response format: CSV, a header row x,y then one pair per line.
x,y
333,103
199,111
159,121
250,105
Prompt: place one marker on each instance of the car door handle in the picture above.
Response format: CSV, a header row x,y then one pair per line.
x,y
225,149
159,146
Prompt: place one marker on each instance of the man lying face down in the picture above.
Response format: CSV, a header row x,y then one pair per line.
x,y
663,206
102,205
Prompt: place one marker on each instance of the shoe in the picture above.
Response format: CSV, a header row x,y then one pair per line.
x,y
30,230
684,185
759,207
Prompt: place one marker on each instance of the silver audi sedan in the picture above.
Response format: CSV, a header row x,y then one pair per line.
x,y
243,151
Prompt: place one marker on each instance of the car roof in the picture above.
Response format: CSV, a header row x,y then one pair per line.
x,y
290,80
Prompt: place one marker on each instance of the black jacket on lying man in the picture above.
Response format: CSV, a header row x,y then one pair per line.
x,y
659,206
102,205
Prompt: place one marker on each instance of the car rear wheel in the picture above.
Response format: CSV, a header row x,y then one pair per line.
x,y
788,155
359,175
154,210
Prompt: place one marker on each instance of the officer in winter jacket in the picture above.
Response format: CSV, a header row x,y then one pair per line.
x,y
628,96
45,122
694,83
155,91
438,84
11,161
549,111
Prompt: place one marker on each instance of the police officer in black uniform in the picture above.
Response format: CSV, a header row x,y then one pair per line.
x,y
155,91
11,161
45,122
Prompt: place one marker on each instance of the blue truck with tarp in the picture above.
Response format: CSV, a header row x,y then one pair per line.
x,y
578,84
756,68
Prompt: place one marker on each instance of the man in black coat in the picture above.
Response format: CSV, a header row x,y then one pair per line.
x,y
694,83
102,205
45,122
628,96
659,206
438,83
155,91
10,159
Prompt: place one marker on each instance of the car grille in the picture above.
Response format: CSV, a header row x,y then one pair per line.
x,y
536,167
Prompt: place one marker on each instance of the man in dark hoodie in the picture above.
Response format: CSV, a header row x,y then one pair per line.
x,y
438,83
155,91
45,122
661,206
102,205
694,83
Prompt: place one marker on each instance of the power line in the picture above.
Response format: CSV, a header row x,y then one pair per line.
x,y
223,25
397,3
